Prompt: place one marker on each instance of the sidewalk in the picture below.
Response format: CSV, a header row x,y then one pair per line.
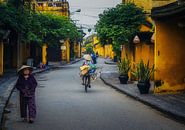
x,y
7,82
110,62
172,105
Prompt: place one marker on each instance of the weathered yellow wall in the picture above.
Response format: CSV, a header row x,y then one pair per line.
x,y
100,49
148,4
1,57
109,51
144,52
63,11
170,56
67,51
79,50
44,54
97,47
158,3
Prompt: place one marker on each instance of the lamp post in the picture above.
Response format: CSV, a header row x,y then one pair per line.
x,y
76,11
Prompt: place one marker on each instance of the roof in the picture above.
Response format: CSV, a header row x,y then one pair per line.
x,y
173,10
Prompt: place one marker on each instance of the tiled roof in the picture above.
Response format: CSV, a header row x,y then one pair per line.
x,y
173,10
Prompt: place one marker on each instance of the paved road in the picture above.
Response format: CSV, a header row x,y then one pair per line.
x,y
63,105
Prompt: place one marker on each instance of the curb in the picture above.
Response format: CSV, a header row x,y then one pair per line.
x,y
110,63
173,116
37,72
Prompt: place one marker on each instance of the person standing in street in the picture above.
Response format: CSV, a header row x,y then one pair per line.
x,y
26,84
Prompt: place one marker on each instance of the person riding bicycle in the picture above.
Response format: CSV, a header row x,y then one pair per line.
x,y
91,67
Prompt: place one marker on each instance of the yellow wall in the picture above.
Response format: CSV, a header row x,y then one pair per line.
x,y
67,50
157,3
109,51
140,51
170,56
44,54
63,10
97,47
1,57
148,4
144,52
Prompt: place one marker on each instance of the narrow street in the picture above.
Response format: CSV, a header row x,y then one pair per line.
x,y
62,104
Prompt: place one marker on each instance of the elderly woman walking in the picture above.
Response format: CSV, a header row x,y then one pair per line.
x,y
26,84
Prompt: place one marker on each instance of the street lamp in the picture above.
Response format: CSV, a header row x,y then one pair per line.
x,y
78,11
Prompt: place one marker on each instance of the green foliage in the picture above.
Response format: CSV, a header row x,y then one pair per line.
x,y
120,24
89,48
124,66
143,71
36,27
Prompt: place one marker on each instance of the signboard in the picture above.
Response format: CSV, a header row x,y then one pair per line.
x,y
63,48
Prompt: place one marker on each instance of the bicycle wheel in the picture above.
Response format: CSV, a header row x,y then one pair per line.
x,y
87,82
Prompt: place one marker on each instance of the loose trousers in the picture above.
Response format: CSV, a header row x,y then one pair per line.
x,y
27,103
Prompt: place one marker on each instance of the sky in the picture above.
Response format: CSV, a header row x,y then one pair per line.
x,y
90,9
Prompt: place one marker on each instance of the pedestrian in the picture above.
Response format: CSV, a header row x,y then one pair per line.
x,y
26,84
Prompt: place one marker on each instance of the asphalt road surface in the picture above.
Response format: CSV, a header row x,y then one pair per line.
x,y
62,104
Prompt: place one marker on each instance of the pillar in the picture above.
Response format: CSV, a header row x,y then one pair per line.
x,y
79,50
44,54
1,57
67,51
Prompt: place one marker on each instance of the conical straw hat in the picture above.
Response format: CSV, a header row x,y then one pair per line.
x,y
24,67
87,57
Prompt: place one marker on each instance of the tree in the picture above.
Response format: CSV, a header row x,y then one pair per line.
x,y
36,27
118,25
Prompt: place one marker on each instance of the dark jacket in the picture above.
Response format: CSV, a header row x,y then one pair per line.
x,y
26,87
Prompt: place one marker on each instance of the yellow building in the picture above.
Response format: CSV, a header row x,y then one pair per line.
x,y
97,47
169,47
105,51
59,8
142,45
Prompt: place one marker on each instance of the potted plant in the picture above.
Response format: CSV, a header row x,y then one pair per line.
x,y
143,73
123,68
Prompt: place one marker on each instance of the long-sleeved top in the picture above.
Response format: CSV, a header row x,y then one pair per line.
x,y
26,86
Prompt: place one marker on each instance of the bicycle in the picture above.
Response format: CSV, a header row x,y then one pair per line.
x,y
87,79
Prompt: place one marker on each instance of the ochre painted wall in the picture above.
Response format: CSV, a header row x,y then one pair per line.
x,y
158,3
145,52
97,47
44,54
67,51
1,57
148,4
100,49
170,56
109,51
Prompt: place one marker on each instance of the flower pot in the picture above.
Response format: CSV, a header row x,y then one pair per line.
x,y
123,79
143,87
115,59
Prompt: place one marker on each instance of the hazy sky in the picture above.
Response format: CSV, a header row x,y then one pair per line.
x,y
90,10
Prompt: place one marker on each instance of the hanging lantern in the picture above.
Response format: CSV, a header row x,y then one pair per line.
x,y
136,40
153,38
